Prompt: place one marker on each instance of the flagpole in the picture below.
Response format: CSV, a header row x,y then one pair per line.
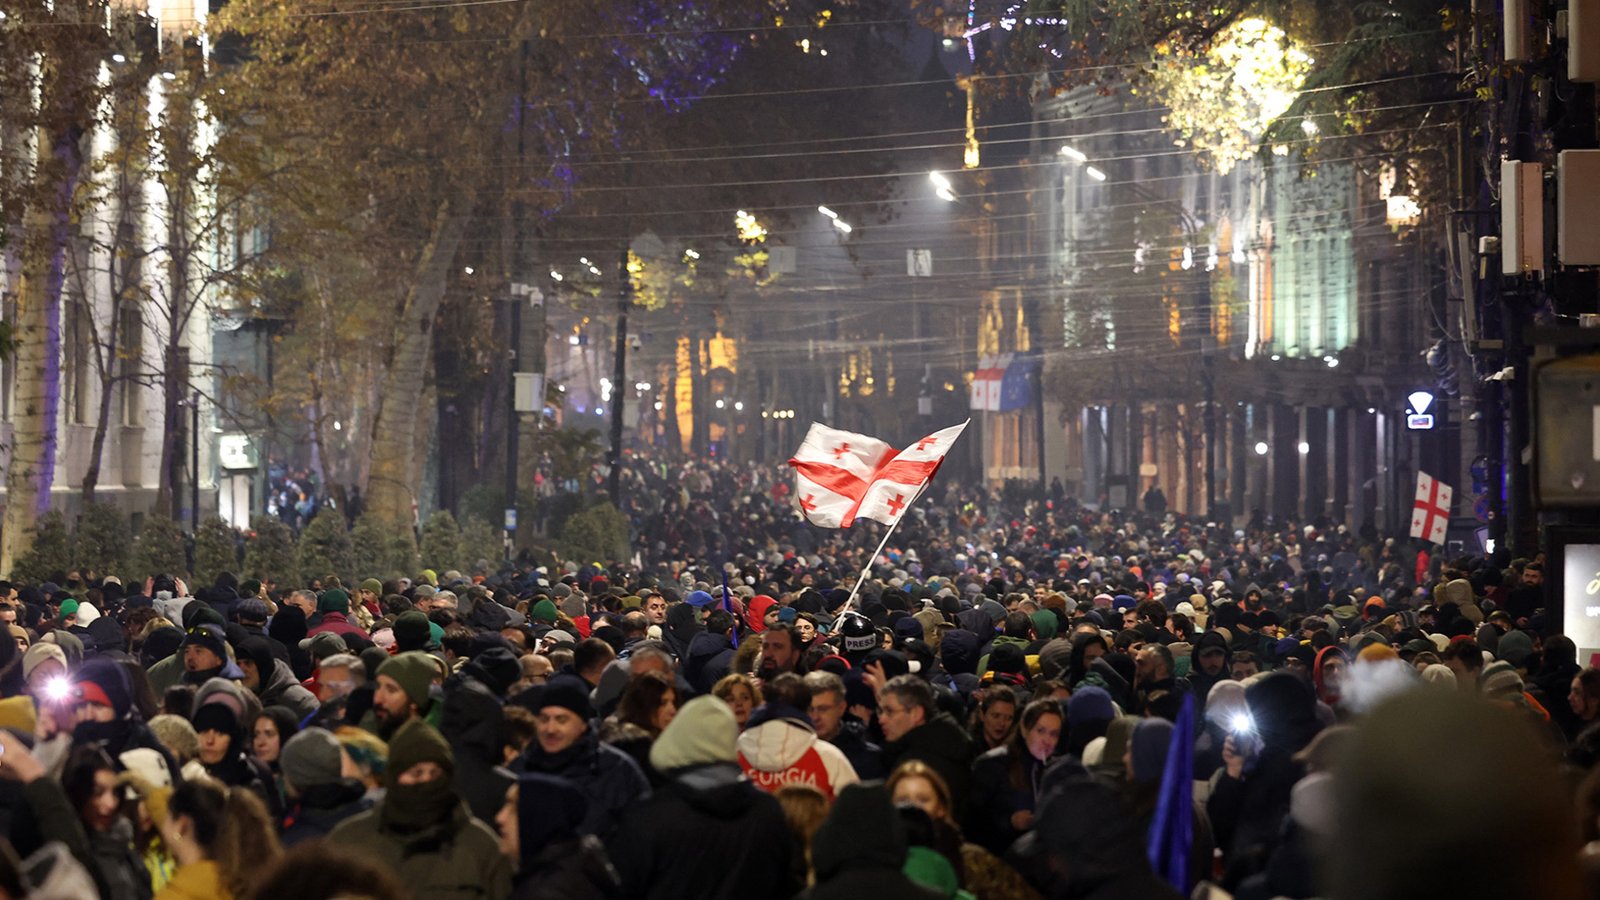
x,y
866,569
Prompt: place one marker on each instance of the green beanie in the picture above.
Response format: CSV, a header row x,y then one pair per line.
x,y
544,611
373,585
416,742
69,607
333,600
414,671
928,867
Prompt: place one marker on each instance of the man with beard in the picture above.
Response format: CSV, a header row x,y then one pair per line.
x,y
403,692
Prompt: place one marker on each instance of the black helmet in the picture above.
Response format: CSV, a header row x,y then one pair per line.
x,y
858,633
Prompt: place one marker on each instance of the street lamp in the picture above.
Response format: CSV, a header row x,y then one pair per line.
x,y
942,187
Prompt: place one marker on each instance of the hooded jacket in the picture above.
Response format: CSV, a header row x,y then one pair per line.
x,y
1097,845
779,747
1246,813
1199,680
470,717
450,855
709,658
860,850
281,689
706,833
941,743
682,626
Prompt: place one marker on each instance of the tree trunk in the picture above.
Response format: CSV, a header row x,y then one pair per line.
x,y
38,335
392,484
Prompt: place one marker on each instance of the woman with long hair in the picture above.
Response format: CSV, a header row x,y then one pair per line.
x,y
1005,780
648,704
994,718
222,837
268,732
987,876
90,782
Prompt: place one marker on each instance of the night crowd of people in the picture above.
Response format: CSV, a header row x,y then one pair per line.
x,y
1006,709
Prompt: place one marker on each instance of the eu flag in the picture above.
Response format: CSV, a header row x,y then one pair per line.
x,y
1172,829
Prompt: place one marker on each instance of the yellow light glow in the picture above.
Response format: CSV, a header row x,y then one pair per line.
x,y
1223,100
748,227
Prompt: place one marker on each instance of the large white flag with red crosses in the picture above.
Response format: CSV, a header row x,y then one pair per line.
x,y
841,476
1430,512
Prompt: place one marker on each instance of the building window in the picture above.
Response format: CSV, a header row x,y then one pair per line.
x,y
130,349
75,339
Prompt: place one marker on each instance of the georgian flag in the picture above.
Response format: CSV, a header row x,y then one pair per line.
x,y
1430,512
840,476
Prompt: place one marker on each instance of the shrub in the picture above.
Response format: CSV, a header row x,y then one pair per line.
x,y
598,534
269,551
102,541
159,549
441,542
216,550
324,547
480,542
379,550
51,550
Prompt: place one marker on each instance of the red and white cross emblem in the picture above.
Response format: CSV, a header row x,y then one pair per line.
x,y
1430,513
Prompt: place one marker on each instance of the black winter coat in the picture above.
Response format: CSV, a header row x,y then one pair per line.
x,y
709,834
607,776
576,869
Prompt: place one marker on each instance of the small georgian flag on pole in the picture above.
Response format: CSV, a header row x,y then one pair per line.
x,y
841,476
1430,512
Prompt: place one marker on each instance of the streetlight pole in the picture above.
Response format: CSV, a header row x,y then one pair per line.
x,y
194,464
518,272
619,375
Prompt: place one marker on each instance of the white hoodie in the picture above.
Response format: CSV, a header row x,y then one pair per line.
x,y
783,751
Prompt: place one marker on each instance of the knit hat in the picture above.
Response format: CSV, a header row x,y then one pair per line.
x,y
569,693
1055,657
1089,704
333,600
414,672
703,731
544,611
104,681
699,598
251,609
411,630
1152,738
211,637
69,607
417,742
38,654
1439,675
1500,678
549,809
1514,647
373,585
310,758
1122,603
907,627
324,644
176,734
574,606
